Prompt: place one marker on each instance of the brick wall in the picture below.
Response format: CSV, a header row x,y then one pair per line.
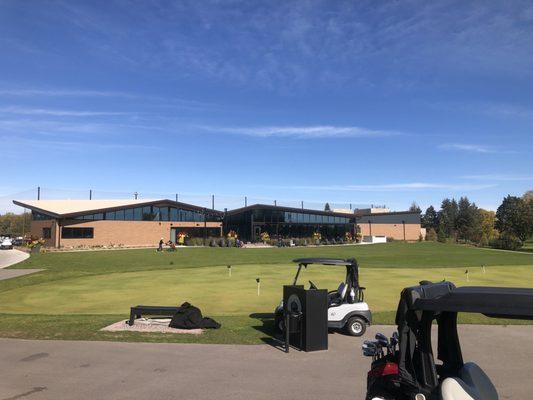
x,y
412,231
127,233
36,231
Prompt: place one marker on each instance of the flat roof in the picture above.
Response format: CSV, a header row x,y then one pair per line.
x,y
71,208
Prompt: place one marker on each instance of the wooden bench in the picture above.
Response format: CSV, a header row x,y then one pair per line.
x,y
139,311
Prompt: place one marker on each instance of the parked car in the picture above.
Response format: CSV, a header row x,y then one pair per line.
x,y
6,244
19,241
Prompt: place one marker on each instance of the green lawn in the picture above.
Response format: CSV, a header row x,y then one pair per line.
x,y
81,292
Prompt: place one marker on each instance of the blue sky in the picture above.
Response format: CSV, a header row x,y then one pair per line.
x,y
346,101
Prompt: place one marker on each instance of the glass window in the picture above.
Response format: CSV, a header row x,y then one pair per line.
x,y
39,217
174,214
119,215
138,214
155,213
110,215
98,216
163,212
128,214
77,233
147,213
47,233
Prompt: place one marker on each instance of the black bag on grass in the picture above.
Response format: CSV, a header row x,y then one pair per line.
x,y
190,317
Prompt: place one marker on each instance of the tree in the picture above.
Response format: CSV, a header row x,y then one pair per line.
x,y
430,219
327,207
528,200
15,224
468,221
415,208
447,218
488,232
513,218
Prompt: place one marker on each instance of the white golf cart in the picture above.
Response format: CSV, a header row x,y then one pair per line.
x,y
346,306
6,244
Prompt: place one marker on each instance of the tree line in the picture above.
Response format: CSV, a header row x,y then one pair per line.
x,y
15,224
462,221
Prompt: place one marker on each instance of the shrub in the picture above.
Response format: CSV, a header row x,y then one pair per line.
x,y
506,242
441,237
431,235
420,238
390,239
212,243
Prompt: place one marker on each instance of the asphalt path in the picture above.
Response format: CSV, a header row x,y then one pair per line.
x,y
32,369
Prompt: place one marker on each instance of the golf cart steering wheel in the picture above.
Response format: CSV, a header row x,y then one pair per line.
x,y
312,285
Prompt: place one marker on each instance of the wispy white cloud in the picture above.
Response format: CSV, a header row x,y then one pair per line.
x,y
409,186
30,92
57,113
499,177
473,148
301,132
161,101
308,44
79,146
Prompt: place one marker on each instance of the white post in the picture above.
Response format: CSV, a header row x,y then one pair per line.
x,y
258,286
229,271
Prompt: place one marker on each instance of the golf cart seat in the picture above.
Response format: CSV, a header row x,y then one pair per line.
x,y
336,297
472,384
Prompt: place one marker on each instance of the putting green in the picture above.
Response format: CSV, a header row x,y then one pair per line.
x,y
216,293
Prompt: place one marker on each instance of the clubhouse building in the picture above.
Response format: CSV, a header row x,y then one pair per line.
x,y
75,223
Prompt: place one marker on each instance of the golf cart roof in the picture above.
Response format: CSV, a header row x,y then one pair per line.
x,y
491,301
324,261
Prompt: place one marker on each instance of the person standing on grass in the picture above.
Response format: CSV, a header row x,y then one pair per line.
x,y
160,248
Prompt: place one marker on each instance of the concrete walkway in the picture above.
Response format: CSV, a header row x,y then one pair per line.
x,y
11,257
103,370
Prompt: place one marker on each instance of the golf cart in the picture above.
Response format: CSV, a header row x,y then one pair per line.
x,y
346,307
409,371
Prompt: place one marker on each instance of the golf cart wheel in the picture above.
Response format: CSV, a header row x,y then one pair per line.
x,y
356,326
280,325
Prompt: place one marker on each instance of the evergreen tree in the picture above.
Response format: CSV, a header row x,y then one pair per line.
x,y
468,221
447,218
430,219
415,208
327,207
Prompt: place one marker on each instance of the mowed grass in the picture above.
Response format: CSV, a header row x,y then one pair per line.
x,y
81,292
216,293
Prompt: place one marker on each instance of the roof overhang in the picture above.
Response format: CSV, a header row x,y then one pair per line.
x,y
74,208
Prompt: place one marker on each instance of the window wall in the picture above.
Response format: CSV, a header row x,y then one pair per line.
x,y
151,213
288,224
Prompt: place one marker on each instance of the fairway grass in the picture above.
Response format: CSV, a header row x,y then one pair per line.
x,y
79,293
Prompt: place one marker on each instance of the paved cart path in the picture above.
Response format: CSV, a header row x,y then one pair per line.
x,y
104,370
11,257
